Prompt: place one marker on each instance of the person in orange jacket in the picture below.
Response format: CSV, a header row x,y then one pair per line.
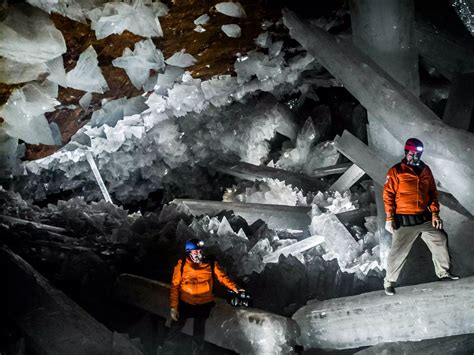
x,y
411,205
191,293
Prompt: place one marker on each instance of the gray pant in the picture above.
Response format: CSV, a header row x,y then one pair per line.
x,y
402,242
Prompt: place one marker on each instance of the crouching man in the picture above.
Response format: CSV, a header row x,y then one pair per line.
x,y
191,294
412,208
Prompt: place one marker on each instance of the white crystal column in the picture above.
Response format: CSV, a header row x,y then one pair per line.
x,y
276,216
251,172
401,112
98,177
384,30
426,311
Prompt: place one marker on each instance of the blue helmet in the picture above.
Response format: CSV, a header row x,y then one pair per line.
x,y
193,244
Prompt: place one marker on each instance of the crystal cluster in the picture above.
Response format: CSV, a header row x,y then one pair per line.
x,y
184,121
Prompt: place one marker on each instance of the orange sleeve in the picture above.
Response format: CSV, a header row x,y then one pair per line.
x,y
223,278
175,283
433,194
390,191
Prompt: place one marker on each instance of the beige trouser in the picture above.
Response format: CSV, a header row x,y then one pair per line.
x,y
402,242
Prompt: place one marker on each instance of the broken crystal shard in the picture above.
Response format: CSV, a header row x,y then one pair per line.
x,y
294,249
233,9
85,100
418,312
199,29
29,36
359,153
24,112
86,75
263,40
181,59
346,180
137,64
231,30
57,74
12,72
237,328
201,20
118,17
391,103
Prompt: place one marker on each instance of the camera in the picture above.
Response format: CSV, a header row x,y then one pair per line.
x,y
241,299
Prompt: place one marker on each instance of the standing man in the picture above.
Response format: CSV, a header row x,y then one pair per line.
x,y
191,294
412,208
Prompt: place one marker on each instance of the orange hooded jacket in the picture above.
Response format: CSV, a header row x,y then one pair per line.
x,y
195,285
405,192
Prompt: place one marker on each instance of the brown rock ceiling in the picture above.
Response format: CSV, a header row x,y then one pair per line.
x,y
215,52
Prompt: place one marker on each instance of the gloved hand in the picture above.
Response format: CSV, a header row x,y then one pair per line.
x,y
389,226
437,222
174,314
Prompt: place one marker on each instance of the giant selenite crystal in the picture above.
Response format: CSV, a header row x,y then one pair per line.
x,y
87,75
27,35
401,113
245,330
424,311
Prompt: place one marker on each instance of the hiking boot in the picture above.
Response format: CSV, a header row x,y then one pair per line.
x,y
449,277
389,291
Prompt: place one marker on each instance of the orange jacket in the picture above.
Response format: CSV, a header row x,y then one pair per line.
x,y
195,285
405,192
